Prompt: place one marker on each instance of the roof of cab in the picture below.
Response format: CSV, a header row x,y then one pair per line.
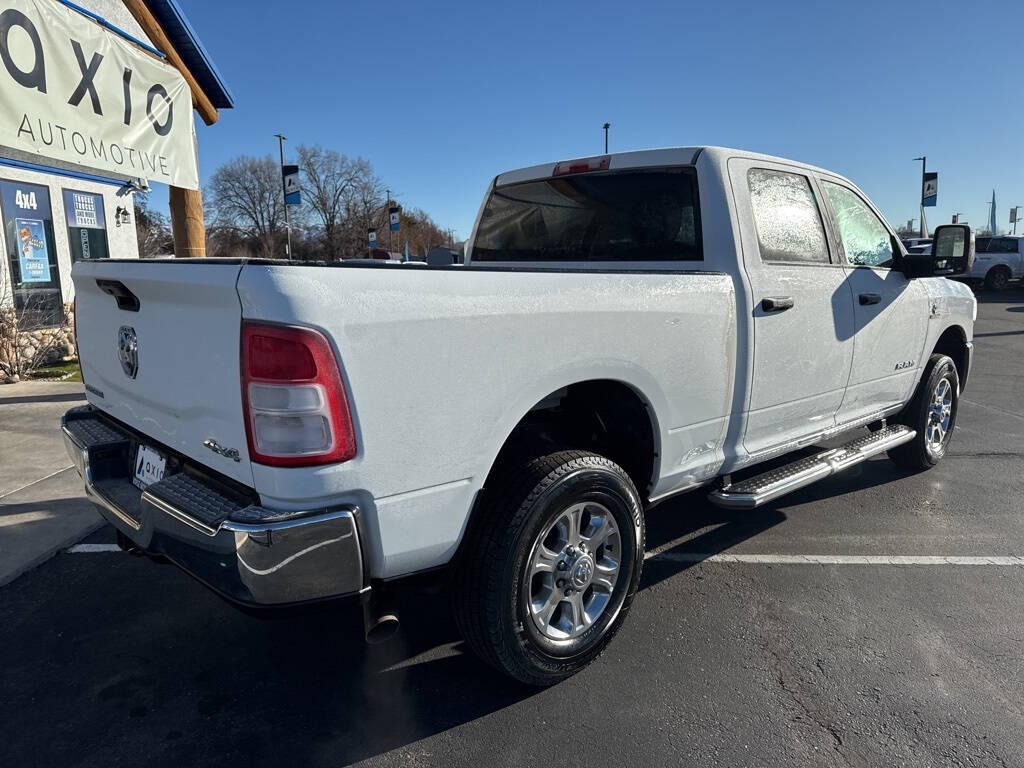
x,y
652,157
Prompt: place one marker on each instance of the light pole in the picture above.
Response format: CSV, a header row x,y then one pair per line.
x,y
956,217
1016,215
924,162
606,127
387,216
284,198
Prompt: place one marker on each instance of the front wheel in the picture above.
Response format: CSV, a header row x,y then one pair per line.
x,y
932,413
547,574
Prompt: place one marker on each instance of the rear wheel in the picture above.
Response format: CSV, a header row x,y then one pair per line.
x,y
997,278
932,413
547,574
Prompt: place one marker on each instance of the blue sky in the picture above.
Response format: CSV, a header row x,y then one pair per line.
x,y
441,97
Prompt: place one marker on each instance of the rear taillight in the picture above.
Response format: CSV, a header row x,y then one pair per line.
x,y
583,165
296,412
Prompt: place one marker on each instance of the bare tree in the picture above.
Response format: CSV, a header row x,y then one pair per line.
x,y
330,183
245,196
420,232
152,230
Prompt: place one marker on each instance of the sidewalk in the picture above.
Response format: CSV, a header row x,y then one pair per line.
x,y
42,508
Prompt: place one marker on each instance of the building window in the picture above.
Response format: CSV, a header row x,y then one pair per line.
x,y
87,225
31,254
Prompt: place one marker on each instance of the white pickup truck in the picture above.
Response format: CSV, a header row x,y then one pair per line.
x,y
625,328
999,260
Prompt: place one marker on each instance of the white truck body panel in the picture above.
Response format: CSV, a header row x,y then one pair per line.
x,y
440,364
187,388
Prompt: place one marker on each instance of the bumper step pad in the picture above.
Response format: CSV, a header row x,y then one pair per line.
x,y
768,486
203,503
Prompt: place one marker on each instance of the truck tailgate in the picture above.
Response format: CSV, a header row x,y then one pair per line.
x,y
186,388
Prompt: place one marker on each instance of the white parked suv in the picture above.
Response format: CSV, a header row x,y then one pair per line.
x,y
625,328
999,260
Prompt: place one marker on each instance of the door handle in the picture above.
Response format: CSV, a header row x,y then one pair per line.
x,y
776,303
870,298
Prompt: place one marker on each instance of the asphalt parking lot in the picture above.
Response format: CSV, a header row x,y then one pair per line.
x,y
852,657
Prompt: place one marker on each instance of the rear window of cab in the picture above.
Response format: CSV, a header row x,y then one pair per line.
x,y
631,215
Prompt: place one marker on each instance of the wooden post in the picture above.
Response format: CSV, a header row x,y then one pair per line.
x,y
187,223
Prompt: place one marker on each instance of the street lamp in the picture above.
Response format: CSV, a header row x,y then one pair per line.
x,y
924,162
284,197
606,127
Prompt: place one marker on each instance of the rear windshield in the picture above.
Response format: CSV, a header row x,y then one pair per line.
x,y
995,245
638,215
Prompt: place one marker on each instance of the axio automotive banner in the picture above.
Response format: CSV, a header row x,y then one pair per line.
x,y
71,90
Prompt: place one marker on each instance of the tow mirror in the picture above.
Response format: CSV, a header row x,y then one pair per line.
x,y
952,254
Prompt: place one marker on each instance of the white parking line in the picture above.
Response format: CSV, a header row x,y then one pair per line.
x,y
724,557
79,549
707,557
29,485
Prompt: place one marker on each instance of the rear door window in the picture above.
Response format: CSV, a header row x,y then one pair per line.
x,y
996,245
635,215
786,215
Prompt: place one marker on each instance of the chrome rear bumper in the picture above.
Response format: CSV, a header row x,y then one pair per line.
x,y
249,554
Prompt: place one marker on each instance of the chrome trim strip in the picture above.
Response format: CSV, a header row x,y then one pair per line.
x,y
177,514
92,491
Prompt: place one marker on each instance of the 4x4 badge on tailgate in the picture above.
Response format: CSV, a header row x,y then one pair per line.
x,y
128,351
228,453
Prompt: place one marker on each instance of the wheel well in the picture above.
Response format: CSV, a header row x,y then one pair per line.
x,y
953,343
999,268
604,416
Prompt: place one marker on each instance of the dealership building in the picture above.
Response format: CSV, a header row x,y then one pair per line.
x,y
96,100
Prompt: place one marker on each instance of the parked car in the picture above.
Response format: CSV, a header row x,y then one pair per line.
x,y
999,260
626,328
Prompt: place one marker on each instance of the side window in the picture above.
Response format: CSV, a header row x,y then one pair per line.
x,y
865,238
786,215
1003,245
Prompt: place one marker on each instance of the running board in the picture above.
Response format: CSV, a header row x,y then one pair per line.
x,y
768,486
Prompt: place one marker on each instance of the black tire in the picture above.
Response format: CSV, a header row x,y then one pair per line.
x,y
922,453
490,584
997,278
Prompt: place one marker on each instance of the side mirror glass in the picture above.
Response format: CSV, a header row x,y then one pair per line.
x,y
952,253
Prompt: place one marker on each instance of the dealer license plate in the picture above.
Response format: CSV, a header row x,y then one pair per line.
x,y
149,467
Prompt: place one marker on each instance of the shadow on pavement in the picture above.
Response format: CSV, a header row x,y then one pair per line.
x,y
68,397
112,658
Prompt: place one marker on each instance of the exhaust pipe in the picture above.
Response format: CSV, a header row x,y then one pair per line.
x,y
380,617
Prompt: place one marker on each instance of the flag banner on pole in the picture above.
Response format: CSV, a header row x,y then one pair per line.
x,y
393,217
75,92
292,195
373,237
930,189
1013,215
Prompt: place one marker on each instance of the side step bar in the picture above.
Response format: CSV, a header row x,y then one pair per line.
x,y
768,486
